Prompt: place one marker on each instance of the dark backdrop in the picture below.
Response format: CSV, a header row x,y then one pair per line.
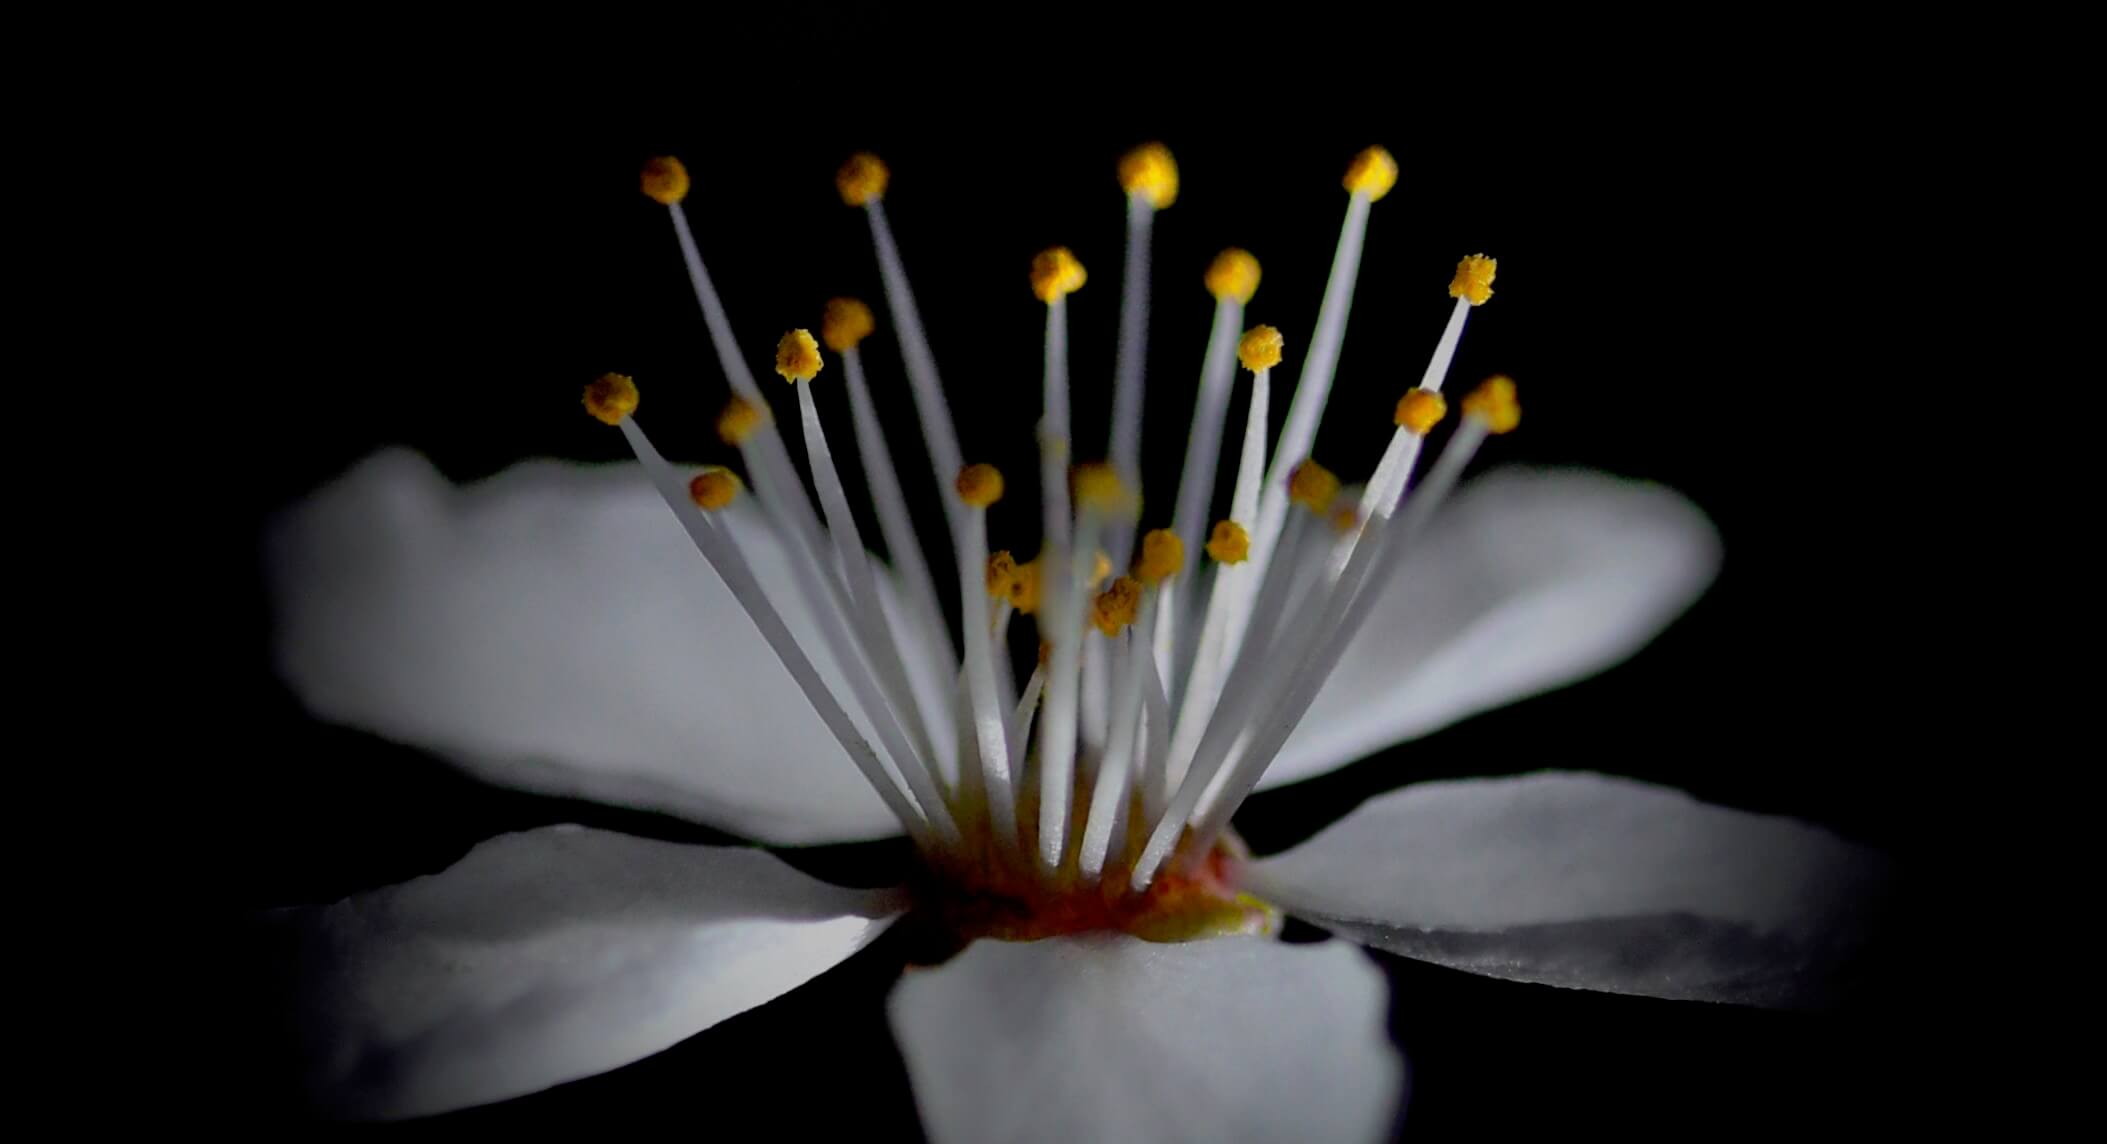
x,y
1684,248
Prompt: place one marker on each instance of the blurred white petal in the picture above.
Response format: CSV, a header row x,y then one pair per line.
x,y
1590,882
1528,580
551,955
552,629
1110,1038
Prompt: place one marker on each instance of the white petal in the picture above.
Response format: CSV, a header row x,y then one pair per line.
x,y
1110,1038
551,955
1527,581
1590,882
553,629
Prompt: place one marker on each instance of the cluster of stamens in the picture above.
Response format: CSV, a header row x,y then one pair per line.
x,y
1098,793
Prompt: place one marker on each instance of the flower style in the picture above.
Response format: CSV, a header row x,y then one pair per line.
x,y
550,629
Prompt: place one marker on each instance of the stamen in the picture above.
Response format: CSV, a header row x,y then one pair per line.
x,y
723,556
1109,796
1373,172
1161,557
665,180
862,182
781,495
1021,718
740,420
1116,607
1493,403
1419,410
1149,173
1150,177
713,317
1001,578
713,488
1232,279
1471,287
1473,281
1201,746
1058,729
1232,587
611,398
978,487
1351,600
1260,348
846,323
1055,275
1025,587
797,359
1156,710
1162,554
1229,543
1098,487
1312,486
862,179
1370,177
1100,491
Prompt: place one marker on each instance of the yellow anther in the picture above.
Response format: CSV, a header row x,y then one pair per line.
x,y
1116,606
1260,348
1345,517
1162,554
1233,274
1312,486
862,179
611,397
1056,274
1150,172
797,356
1419,410
1493,403
1045,652
1373,172
739,420
1100,567
1474,278
1229,543
845,322
665,179
1098,486
713,488
980,485
1024,588
1002,574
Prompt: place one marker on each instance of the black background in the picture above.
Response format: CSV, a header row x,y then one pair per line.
x,y
1701,282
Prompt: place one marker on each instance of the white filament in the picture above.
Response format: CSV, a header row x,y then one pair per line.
x,y
1232,585
938,434
1356,593
990,731
867,616
1133,345
1210,410
1312,387
894,522
1063,602
1113,776
723,556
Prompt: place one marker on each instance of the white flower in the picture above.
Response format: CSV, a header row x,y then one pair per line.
x,y
552,629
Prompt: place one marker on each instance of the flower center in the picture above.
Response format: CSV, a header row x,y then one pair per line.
x,y
1190,903
1097,794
